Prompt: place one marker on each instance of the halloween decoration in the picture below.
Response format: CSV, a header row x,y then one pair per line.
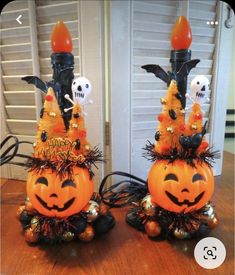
x,y
61,204
200,89
175,199
81,88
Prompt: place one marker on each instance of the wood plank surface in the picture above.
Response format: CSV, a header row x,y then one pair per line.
x,y
123,250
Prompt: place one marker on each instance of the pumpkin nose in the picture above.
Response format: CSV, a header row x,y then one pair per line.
x,y
53,195
185,190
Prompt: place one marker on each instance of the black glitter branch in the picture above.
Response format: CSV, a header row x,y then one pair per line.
x,y
94,155
65,166
190,156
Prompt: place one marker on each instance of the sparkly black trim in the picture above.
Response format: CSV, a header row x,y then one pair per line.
x,y
190,156
66,166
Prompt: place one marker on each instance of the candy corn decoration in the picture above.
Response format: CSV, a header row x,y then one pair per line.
x,y
61,204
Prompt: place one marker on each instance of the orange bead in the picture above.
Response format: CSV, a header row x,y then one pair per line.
x,y
103,209
160,117
181,36
31,236
87,235
61,39
19,211
152,228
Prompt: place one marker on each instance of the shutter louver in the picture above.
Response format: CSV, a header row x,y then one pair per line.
x,y
16,62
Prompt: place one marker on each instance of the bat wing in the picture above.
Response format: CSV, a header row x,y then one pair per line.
x,y
186,68
158,71
30,79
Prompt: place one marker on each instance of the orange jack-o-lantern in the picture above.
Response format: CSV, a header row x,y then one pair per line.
x,y
179,187
59,195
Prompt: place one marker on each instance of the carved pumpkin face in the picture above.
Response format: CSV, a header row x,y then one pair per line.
x,y
178,187
56,196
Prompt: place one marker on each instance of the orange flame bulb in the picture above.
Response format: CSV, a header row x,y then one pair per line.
x,y
181,36
61,39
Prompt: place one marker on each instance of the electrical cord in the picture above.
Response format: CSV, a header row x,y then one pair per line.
x,y
129,190
7,155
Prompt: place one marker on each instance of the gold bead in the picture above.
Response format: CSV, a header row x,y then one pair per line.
x,y
194,127
87,147
74,125
152,229
163,100
68,236
35,224
19,211
213,222
180,233
148,206
29,207
92,211
87,235
52,114
169,129
30,235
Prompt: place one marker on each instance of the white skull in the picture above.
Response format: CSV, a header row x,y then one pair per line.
x,y
200,88
81,88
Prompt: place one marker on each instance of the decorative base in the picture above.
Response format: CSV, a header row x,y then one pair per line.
x,y
158,222
94,220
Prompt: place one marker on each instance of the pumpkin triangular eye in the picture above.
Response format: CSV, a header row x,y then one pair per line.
x,y
171,177
42,180
197,177
68,183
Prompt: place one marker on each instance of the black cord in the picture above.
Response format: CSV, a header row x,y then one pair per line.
x,y
6,156
131,190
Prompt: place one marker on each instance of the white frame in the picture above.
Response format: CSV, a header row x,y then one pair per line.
x,y
220,84
120,13
90,14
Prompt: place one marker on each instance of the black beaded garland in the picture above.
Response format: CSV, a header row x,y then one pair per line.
x,y
77,226
41,112
172,114
76,115
77,144
157,135
43,136
25,218
103,224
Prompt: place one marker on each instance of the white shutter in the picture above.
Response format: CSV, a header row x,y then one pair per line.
x,y
26,50
17,61
152,26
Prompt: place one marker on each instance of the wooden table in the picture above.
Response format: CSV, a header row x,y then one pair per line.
x,y
123,250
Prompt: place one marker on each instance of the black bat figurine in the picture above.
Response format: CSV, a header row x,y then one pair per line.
x,y
30,79
168,76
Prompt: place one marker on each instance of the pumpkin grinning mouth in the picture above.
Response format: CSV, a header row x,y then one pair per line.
x,y
55,207
187,202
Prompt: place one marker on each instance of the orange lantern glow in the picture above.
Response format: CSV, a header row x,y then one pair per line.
x,y
181,36
61,39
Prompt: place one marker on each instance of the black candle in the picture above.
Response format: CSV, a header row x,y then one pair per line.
x,y
62,61
180,58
